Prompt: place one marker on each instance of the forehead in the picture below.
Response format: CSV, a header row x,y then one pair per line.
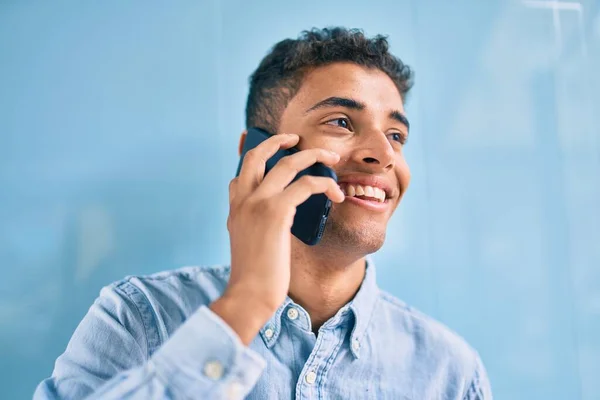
x,y
368,85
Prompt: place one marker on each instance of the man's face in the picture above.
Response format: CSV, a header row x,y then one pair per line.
x,y
358,113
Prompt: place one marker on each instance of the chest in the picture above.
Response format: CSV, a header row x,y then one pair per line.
x,y
328,368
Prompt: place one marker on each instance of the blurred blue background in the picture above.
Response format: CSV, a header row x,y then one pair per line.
x,y
119,126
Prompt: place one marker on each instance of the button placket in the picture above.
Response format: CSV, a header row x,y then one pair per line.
x,y
310,377
317,367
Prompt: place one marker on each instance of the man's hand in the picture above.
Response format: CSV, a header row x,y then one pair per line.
x,y
261,213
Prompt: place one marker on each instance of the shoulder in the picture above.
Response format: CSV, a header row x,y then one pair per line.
x,y
204,279
166,299
433,343
429,332
186,273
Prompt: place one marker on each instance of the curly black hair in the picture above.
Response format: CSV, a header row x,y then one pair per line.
x,y
280,74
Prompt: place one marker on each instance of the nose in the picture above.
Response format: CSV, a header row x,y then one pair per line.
x,y
376,151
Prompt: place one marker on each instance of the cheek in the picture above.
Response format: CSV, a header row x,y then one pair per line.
x,y
330,144
324,142
403,174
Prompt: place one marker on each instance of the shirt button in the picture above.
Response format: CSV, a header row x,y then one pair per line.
x,y
292,313
213,370
355,345
310,377
269,333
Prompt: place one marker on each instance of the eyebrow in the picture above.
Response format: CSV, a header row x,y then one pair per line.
x,y
338,102
355,105
398,116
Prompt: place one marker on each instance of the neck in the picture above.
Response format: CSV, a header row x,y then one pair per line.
x,y
322,282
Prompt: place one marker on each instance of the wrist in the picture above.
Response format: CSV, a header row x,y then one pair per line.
x,y
249,300
244,314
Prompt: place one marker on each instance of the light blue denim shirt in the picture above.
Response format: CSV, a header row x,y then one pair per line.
x,y
154,337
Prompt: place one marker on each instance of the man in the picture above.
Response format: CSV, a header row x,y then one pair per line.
x,y
286,320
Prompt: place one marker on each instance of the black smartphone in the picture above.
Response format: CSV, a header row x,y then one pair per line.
x,y
311,216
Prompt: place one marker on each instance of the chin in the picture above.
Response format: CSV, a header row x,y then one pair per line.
x,y
358,237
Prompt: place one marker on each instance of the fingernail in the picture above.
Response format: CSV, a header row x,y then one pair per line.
x,y
334,153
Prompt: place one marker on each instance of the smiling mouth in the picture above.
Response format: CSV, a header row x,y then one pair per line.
x,y
364,192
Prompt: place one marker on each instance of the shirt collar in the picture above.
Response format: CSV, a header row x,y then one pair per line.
x,y
361,306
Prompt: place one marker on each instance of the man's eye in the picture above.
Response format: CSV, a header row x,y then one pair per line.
x,y
341,122
398,137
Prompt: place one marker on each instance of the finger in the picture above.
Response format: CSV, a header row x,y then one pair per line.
x,y
253,165
299,191
284,172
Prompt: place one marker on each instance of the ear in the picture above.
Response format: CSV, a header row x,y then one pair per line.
x,y
242,141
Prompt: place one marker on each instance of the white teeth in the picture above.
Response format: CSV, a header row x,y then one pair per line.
x,y
350,191
367,191
379,194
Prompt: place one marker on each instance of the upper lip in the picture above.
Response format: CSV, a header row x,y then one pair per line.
x,y
369,180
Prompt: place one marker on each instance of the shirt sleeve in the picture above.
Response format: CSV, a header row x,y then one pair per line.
x,y
108,358
480,388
